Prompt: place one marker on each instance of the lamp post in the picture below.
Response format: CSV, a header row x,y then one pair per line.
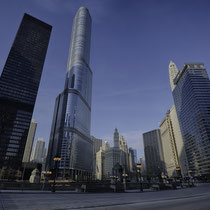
x,y
178,169
45,173
139,166
56,159
124,180
114,182
190,175
164,178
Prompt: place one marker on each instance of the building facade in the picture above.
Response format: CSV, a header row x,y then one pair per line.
x,y
112,156
173,71
170,155
153,153
132,163
100,161
192,102
19,83
179,142
70,131
97,144
29,142
114,161
124,153
39,152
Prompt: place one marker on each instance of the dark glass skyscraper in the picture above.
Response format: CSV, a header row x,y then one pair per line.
x,y
153,152
192,100
19,84
70,132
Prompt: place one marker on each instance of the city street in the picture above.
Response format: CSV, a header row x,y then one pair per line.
x,y
189,198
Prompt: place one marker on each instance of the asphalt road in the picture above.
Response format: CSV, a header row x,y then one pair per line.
x,y
197,198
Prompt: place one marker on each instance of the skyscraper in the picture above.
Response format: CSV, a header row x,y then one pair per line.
x,y
38,152
153,152
132,163
19,83
112,156
29,142
173,71
178,141
100,161
192,102
124,152
97,143
170,154
70,132
116,139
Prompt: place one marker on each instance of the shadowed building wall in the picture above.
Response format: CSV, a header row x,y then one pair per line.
x,y
19,83
153,152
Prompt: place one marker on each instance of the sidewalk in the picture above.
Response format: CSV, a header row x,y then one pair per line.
x,y
64,192
37,192
138,191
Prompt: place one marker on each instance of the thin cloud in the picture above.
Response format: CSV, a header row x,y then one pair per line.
x,y
133,91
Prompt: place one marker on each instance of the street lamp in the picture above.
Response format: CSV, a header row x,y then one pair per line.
x,y
189,172
190,175
115,178
56,159
139,166
124,180
178,170
45,173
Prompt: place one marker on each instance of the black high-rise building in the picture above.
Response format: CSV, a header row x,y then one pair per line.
x,y
19,84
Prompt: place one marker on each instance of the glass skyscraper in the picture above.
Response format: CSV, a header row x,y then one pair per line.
x,y
19,83
153,152
192,101
70,132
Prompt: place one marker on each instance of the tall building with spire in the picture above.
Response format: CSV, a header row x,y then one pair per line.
x,y
70,131
173,71
116,139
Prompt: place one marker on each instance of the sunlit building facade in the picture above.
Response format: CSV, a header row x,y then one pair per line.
x,y
29,142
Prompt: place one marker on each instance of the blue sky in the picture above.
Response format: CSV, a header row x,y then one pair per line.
x,y
133,42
